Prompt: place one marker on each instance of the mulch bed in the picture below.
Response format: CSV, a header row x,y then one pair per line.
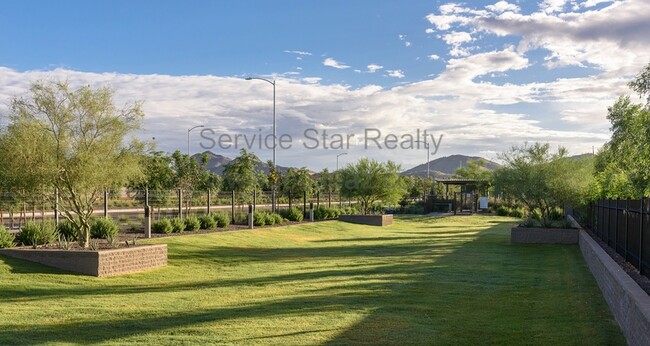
x,y
641,280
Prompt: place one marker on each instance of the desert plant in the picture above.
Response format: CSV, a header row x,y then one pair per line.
x,y
192,223
503,211
178,225
221,219
6,238
67,229
163,226
103,228
64,243
277,218
294,214
269,219
207,222
113,241
93,244
259,218
37,234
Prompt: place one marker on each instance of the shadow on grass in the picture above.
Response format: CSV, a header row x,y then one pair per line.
x,y
474,289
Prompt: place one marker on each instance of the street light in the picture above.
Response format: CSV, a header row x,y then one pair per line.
x,y
272,83
337,160
188,137
274,138
426,146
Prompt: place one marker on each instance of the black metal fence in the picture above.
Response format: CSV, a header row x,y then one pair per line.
x,y
625,226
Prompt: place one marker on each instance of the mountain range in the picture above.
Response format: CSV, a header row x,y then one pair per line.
x,y
443,167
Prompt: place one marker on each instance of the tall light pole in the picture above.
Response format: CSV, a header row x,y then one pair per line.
x,y
188,137
272,82
426,146
274,138
337,160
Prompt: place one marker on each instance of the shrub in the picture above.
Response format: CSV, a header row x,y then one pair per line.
x,y
103,228
66,229
503,211
320,213
162,226
528,223
222,220
536,214
517,212
556,214
207,222
178,225
269,219
259,218
6,238
37,234
192,223
277,218
294,214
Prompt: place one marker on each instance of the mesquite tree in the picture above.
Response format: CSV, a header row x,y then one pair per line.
x,y
73,141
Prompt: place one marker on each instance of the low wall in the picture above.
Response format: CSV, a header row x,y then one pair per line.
x,y
530,235
629,304
373,220
108,262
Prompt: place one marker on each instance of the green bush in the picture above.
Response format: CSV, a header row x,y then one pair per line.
x,y
269,219
259,218
103,228
277,218
536,214
37,234
207,222
178,225
6,238
320,213
192,223
66,229
517,212
222,220
162,226
503,211
293,214
556,214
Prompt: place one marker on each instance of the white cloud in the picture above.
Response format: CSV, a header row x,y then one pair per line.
x,y
433,57
298,52
395,73
372,68
335,64
503,6
457,38
552,6
429,31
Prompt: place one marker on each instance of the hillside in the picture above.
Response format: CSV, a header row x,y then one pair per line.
x,y
217,162
445,167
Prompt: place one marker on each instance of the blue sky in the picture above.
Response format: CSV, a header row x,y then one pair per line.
x,y
484,74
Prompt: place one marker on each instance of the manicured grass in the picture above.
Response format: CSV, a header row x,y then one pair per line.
x,y
455,280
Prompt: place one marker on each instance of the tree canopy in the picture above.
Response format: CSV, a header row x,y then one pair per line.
x,y
371,181
74,141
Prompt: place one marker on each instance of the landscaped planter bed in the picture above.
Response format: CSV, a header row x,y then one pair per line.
x,y
373,220
536,235
107,262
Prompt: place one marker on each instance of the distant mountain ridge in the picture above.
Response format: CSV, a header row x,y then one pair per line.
x,y
217,163
445,167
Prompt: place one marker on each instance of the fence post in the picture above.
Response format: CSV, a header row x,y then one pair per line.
x,y
105,203
56,206
232,207
616,227
180,203
627,216
209,201
641,238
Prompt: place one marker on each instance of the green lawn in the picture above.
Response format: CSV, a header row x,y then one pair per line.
x,y
454,280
